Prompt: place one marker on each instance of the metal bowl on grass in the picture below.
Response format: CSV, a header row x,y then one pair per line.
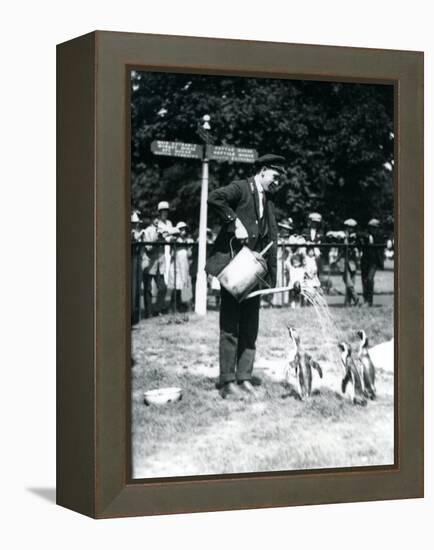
x,y
162,396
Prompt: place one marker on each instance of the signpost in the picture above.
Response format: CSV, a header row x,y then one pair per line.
x,y
205,154
229,153
201,278
177,149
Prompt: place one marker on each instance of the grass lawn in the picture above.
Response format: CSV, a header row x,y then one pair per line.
x,y
383,283
204,434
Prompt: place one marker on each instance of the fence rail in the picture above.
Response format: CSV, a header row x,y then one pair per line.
x,y
333,275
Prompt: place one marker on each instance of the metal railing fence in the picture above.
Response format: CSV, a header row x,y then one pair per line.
x,y
334,261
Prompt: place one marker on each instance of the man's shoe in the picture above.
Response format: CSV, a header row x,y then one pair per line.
x,y
246,386
230,390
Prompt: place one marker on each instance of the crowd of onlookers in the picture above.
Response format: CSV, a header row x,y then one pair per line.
x,y
308,254
168,269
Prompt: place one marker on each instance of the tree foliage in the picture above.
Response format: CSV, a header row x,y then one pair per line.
x,y
337,138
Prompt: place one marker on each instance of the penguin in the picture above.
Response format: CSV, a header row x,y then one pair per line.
x,y
302,363
368,369
352,375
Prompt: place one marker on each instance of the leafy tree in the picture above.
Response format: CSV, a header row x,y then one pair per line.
x,y
337,137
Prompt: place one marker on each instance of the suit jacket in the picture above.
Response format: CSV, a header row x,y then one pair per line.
x,y
319,236
240,200
371,255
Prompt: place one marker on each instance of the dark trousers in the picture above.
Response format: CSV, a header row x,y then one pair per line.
x,y
147,293
351,297
368,276
239,323
135,285
176,302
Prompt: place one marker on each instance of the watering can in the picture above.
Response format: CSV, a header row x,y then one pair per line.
x,y
244,272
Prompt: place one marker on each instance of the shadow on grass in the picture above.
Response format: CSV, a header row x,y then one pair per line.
x,y
323,393
255,380
291,392
328,393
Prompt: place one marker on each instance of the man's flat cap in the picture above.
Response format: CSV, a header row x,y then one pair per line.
x,y
374,223
350,222
271,161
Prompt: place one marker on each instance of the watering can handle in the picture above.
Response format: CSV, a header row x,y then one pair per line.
x,y
262,253
230,244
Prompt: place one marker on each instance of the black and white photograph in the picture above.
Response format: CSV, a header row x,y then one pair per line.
x,y
262,274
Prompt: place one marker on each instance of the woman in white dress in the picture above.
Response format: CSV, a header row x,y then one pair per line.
x,y
179,282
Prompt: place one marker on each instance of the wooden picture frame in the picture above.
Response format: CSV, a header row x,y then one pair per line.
x,y
93,274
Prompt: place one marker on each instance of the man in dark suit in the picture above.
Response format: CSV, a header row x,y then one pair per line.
x,y
372,259
246,210
313,232
351,257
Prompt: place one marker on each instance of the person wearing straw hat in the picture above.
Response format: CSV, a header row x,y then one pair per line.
x,y
157,267
314,235
136,232
167,231
179,272
313,232
136,261
351,260
372,259
246,210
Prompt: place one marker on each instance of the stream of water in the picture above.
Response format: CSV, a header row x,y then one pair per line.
x,y
332,335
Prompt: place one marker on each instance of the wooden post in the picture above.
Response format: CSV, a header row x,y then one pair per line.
x,y
201,286
347,301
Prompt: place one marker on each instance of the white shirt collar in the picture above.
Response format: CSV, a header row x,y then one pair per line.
x,y
261,198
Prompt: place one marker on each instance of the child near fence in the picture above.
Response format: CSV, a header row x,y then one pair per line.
x,y
294,271
302,273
